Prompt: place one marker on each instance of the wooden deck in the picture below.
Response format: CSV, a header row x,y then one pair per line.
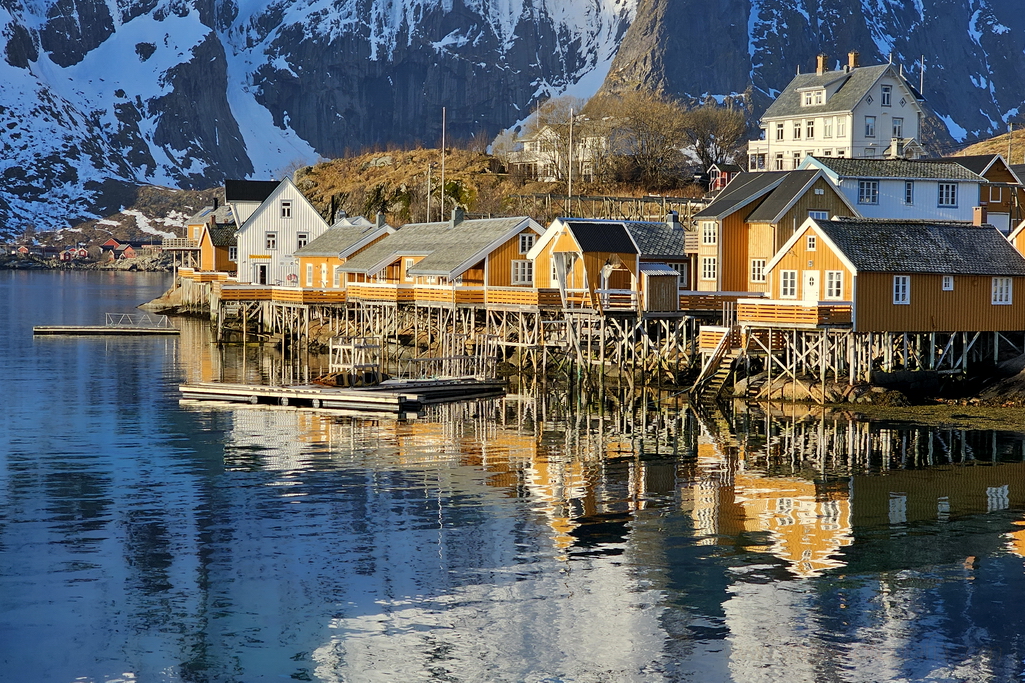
x,y
291,295
97,330
796,314
381,291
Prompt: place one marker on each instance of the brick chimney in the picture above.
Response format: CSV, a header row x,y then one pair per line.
x,y
852,59
980,216
820,64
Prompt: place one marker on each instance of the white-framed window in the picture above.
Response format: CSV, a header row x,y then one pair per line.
x,y
827,152
898,127
708,267
841,129
270,240
887,93
996,195
948,194
841,152
797,130
233,254
870,152
797,159
819,95
779,131
301,240
788,284
709,232
338,277
818,214
834,284
286,208
757,270
526,242
1001,291
827,128
807,99
810,243
868,191
809,129
779,161
523,272
870,126
407,266
901,289
948,283
909,192
309,274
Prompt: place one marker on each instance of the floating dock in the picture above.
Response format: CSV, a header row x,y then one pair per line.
x,y
93,330
393,396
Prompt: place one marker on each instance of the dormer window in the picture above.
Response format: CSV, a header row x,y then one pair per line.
x,y
807,99
819,96
813,97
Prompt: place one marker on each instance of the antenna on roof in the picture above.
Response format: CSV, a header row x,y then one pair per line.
x,y
891,58
921,77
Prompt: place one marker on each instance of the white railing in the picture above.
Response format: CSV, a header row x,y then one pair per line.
x,y
146,320
179,243
621,299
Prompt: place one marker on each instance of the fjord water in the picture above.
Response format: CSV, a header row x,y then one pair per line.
x,y
527,539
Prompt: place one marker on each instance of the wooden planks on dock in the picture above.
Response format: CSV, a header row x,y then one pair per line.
x,y
94,330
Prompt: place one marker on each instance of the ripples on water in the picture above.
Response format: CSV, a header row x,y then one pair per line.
x,y
527,539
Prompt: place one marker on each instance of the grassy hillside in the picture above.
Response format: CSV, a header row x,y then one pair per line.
x,y
998,145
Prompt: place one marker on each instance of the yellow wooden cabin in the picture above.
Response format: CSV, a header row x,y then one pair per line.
x,y
748,222
321,261
611,265
893,276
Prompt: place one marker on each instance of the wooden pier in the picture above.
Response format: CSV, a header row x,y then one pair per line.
x,y
120,324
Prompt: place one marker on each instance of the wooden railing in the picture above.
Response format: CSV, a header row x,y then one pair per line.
x,y
617,299
381,291
450,294
691,300
291,295
710,336
179,243
523,296
793,313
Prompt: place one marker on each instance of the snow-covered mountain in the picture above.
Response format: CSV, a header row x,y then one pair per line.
x,y
100,96
97,96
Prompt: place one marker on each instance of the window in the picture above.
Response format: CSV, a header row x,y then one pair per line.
x,y
995,195
827,152
827,128
523,272
408,265
302,239
810,243
841,152
886,95
870,126
554,280
797,130
841,128
338,276
708,268
807,99
868,191
233,254
1001,291
898,127
834,284
870,152
788,284
758,270
818,215
271,240
309,274
286,208
819,94
709,233
779,131
779,161
909,192
901,289
526,242
797,159
948,283
809,130
948,194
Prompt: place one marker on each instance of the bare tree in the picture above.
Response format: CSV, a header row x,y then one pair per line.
x,y
715,132
547,133
649,130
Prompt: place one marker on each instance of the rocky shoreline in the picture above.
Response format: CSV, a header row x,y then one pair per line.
x,y
152,264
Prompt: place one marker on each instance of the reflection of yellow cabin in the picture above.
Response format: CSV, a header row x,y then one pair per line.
x,y
612,265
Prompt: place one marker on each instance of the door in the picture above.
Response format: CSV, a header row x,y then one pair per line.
x,y
261,274
811,285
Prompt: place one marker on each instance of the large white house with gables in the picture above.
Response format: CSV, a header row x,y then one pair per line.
x,y
854,112
272,232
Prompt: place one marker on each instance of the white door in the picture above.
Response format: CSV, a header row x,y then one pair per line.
x,y
811,285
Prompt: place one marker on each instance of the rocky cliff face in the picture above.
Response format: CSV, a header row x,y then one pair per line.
x,y
100,96
973,51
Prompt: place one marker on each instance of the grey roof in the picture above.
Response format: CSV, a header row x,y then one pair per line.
x,y
897,168
648,238
947,248
741,191
1017,169
222,214
794,184
248,190
337,239
443,245
223,236
977,163
855,85
603,236
348,221
658,269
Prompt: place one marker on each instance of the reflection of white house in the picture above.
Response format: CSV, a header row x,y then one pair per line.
x,y
545,152
855,112
281,224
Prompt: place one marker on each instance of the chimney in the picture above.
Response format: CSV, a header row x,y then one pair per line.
x,y
380,219
979,215
673,220
215,203
852,59
820,64
457,216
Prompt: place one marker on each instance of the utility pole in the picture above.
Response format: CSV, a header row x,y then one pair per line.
x,y
430,165
443,163
569,188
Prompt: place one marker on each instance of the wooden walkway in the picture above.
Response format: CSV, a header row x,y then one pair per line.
x,y
93,330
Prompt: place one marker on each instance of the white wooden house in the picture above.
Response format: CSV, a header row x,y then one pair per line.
x,y
268,240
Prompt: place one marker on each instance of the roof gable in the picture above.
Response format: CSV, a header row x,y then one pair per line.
x,y
248,190
741,191
789,192
341,240
469,243
286,188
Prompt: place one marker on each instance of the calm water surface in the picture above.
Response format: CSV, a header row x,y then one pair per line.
x,y
528,539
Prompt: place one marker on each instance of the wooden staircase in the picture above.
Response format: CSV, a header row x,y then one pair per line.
x,y
718,370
